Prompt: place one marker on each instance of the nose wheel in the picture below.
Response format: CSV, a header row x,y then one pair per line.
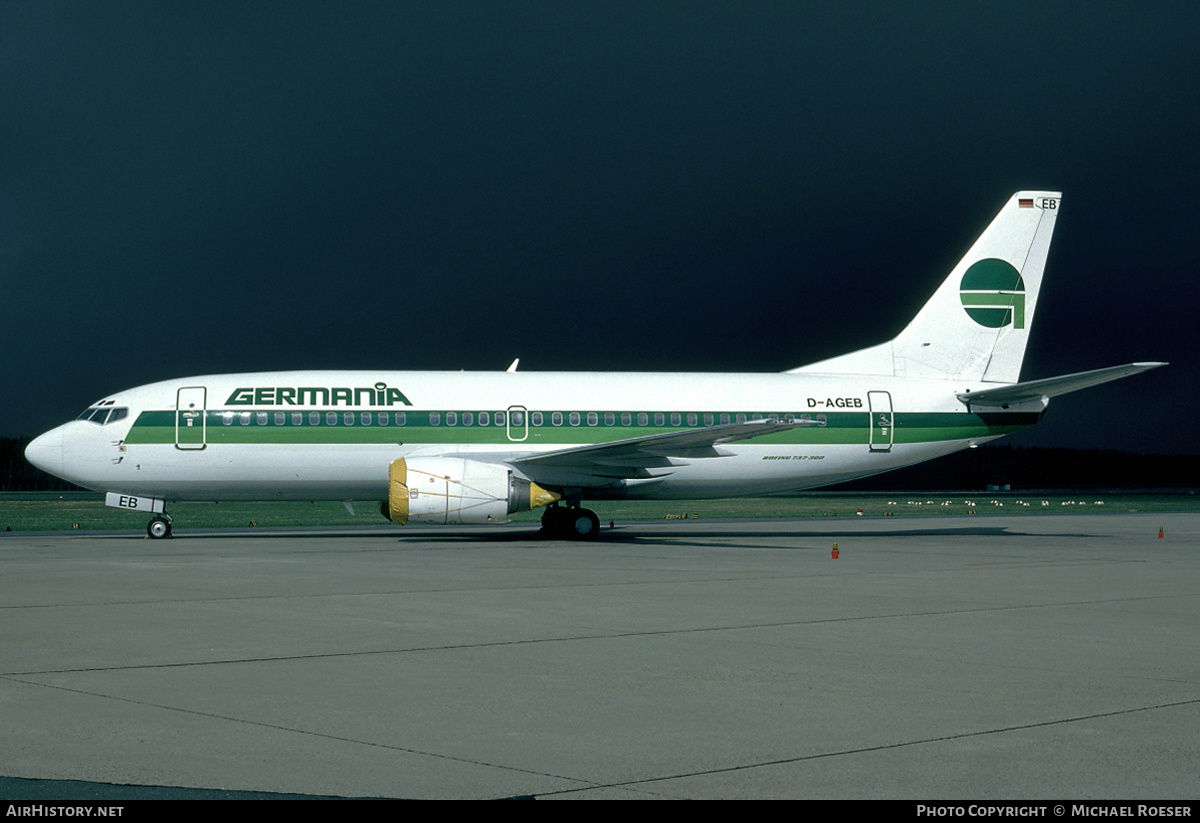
x,y
159,528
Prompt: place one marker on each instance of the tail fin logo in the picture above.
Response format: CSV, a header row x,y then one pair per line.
x,y
993,294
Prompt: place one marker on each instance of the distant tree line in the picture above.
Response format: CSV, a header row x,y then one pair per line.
x,y
1039,468
967,470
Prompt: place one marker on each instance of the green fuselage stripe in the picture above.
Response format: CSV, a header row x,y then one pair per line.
x,y
158,427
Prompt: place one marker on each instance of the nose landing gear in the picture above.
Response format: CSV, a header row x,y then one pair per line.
x,y
159,527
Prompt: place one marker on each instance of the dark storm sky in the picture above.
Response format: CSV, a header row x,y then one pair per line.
x,y
208,187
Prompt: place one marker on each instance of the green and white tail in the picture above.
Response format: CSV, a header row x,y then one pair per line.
x,y
977,323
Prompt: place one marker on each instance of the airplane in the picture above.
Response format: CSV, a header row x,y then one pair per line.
x,y
474,447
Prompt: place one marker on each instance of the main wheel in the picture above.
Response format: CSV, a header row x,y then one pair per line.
x,y
159,528
562,522
585,525
554,521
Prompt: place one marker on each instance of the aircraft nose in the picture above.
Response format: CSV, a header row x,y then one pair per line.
x,y
46,451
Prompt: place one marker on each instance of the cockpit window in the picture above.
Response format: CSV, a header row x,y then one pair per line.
x,y
103,415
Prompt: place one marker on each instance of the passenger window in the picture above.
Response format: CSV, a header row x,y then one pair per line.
x,y
383,418
485,419
626,419
314,418
226,418
244,418
348,418
401,418
659,418
676,419
556,419
724,419
297,418
708,419
435,418
451,418
261,418
280,418
643,419
610,419
365,418
468,418
573,418
535,418
593,419
330,418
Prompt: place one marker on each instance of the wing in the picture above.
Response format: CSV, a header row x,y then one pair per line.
x,y
655,455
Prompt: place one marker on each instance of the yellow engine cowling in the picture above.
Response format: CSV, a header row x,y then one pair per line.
x,y
451,491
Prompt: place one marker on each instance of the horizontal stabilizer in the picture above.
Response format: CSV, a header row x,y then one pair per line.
x,y
1051,386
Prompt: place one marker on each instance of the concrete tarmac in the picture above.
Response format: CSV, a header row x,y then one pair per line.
x,y
988,657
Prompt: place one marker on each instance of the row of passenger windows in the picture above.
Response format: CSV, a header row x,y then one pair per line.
x,y
314,418
499,418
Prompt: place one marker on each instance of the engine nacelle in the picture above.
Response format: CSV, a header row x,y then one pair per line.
x,y
450,490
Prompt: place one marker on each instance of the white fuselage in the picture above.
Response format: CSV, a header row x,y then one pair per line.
x,y
332,435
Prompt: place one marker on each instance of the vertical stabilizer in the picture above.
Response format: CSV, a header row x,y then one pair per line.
x,y
976,325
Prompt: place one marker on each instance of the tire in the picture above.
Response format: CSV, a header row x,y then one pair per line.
x,y
159,528
562,523
554,522
585,525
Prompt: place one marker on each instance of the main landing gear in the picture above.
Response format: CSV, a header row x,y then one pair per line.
x,y
570,522
159,527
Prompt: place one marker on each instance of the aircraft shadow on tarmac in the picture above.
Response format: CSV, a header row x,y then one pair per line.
x,y
624,534
631,534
